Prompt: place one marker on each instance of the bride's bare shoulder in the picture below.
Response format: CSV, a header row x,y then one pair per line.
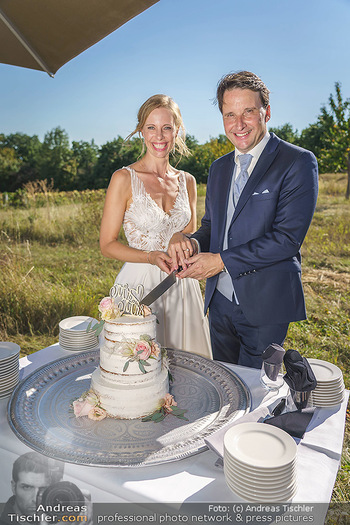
x,y
121,177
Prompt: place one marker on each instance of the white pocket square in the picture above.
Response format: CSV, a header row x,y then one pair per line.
x,y
255,193
265,191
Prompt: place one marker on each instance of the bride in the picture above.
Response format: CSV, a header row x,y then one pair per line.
x,y
153,201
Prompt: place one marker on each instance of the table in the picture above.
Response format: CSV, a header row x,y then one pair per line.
x,y
197,478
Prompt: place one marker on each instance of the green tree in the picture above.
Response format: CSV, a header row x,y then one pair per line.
x,y
313,137
114,155
335,121
27,151
56,160
9,166
286,132
203,155
85,155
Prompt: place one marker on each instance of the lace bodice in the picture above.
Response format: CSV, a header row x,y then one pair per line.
x,y
146,225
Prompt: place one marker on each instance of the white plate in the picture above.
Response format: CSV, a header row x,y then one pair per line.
x,y
72,335
10,378
8,350
265,492
324,395
78,323
260,445
11,384
329,390
4,369
328,397
284,497
322,404
88,342
271,474
7,393
255,482
325,371
79,344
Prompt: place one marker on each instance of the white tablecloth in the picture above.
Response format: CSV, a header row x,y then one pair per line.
x,y
195,479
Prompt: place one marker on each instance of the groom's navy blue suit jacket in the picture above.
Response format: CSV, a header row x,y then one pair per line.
x,y
268,227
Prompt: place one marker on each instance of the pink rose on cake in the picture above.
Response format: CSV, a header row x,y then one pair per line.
x,y
97,413
108,309
169,402
85,404
146,310
155,349
81,407
142,350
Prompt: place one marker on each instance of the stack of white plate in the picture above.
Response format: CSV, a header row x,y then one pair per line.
x,y
260,462
330,388
9,367
73,335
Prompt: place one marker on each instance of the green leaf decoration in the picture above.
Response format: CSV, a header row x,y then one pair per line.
x,y
145,337
147,418
158,416
98,328
170,377
177,410
141,367
144,362
89,326
126,366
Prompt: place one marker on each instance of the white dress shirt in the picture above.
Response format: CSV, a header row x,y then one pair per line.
x,y
224,284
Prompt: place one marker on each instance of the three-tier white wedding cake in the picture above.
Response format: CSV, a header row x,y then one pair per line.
x,y
132,378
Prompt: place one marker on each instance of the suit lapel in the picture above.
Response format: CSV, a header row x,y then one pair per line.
x,y
223,189
266,158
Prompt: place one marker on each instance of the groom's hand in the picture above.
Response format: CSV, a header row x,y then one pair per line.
x,y
202,266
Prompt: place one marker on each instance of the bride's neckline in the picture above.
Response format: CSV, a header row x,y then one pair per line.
x,y
152,199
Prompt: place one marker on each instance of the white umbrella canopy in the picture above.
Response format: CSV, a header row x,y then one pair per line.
x,y
45,34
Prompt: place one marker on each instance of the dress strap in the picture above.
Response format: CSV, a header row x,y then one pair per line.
x,y
137,187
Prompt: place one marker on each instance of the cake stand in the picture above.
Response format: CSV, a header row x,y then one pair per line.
x,y
40,413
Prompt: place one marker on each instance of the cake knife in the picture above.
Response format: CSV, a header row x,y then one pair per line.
x,y
162,287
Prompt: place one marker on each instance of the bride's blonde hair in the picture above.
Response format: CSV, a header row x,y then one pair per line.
x,y
162,101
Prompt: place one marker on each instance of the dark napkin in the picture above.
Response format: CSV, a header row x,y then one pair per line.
x,y
299,376
272,355
294,423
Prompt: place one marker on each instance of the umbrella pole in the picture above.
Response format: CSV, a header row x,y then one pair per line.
x,y
25,44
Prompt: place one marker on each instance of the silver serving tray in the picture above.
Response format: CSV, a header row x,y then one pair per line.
x,y
40,413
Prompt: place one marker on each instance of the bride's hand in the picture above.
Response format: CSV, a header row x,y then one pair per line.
x,y
160,259
180,248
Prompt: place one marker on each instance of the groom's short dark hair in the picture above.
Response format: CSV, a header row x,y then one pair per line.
x,y
242,80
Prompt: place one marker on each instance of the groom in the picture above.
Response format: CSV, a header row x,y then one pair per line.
x,y
259,204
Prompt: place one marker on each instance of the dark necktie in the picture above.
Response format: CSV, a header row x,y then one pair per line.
x,y
242,176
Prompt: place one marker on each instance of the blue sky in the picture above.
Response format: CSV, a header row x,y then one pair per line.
x,y
182,48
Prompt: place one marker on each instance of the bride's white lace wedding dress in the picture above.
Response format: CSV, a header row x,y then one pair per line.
x,y
182,324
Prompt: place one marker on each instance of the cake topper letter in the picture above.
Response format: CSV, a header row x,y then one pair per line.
x,y
128,299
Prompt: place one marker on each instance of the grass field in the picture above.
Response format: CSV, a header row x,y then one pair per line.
x,y
51,268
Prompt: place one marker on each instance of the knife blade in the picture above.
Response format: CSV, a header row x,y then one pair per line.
x,y
159,289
